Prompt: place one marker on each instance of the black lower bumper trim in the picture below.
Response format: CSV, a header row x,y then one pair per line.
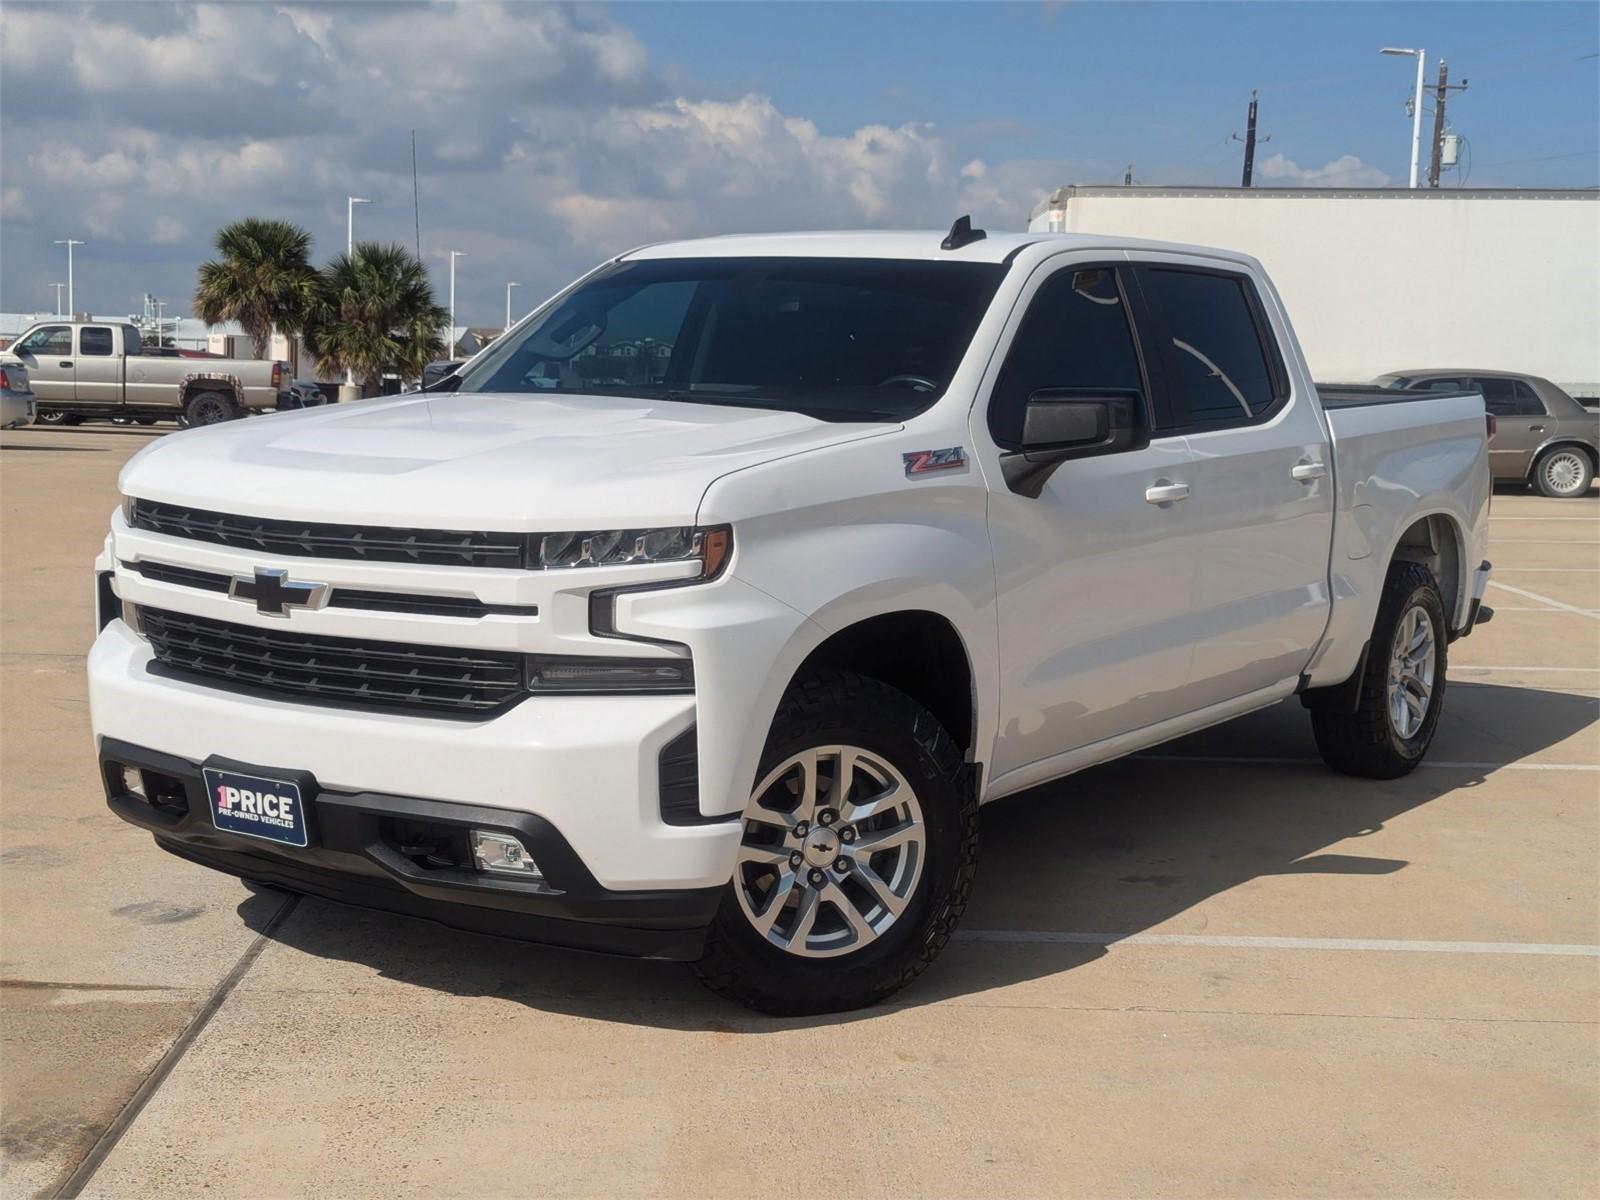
x,y
364,851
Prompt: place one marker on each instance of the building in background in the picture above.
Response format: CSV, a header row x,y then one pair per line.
x,y
1385,279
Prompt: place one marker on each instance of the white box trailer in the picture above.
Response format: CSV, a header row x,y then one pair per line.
x,y
1380,279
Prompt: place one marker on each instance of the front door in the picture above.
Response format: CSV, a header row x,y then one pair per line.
x,y
47,352
99,368
1521,424
1261,484
1093,576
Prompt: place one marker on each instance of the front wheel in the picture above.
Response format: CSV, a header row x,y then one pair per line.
x,y
856,858
54,416
1401,687
1563,473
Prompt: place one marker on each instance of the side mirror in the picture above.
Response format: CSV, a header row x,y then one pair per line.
x,y
1066,423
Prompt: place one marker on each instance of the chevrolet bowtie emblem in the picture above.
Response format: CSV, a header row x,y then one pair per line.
x,y
275,593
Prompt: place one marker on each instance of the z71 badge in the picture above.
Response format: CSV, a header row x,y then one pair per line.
x,y
925,462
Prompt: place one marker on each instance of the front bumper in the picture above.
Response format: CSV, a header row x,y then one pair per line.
x,y
364,851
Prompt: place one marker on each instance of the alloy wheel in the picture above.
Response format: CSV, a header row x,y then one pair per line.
x,y
833,848
1563,472
1411,672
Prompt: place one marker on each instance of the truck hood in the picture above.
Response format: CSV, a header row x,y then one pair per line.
x,y
480,461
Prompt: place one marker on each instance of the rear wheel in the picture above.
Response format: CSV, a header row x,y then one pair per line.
x,y
1401,690
857,854
54,416
1563,472
208,408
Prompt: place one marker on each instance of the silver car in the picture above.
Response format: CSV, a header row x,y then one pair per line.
x,y
17,402
1542,436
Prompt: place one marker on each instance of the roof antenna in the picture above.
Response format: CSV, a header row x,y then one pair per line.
x,y
962,234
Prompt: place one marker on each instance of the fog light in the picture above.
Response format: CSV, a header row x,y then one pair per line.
x,y
133,782
503,853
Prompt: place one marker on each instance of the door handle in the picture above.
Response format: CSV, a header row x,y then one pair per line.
x,y
1164,491
1305,470
66,363
1535,428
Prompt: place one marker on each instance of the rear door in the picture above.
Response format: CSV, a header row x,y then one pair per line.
x,y
1260,506
48,355
1521,423
99,368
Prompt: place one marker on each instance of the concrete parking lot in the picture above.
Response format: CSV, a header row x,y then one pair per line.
x,y
1217,969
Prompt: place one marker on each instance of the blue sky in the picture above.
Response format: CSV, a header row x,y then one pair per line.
x,y
1164,84
551,135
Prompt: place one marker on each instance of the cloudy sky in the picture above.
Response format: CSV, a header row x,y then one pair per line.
x,y
550,135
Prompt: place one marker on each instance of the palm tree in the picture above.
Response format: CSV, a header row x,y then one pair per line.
x,y
375,315
263,279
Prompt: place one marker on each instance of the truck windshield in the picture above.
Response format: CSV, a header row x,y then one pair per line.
x,y
840,339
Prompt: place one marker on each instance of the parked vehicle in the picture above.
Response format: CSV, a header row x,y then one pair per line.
x,y
306,393
717,659
1542,435
16,398
89,369
436,371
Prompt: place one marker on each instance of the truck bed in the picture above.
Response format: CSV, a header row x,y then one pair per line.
x,y
1364,395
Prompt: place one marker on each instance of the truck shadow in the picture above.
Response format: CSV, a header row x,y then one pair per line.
x,y
1065,869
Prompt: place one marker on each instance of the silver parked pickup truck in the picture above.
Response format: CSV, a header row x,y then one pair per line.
x,y
82,369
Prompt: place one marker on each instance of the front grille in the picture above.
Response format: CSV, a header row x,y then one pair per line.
x,y
342,597
350,672
367,543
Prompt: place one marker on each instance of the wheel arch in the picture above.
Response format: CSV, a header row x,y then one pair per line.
x,y
1561,441
917,651
1437,541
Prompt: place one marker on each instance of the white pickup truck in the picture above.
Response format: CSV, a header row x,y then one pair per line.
x,y
697,616
93,369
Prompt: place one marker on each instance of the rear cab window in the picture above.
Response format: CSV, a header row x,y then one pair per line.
x,y
95,341
1222,362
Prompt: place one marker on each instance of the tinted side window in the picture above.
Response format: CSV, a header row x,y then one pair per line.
x,y
1503,398
1075,334
1528,401
95,341
1212,345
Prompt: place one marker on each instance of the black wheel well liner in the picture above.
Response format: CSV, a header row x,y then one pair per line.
x,y
918,652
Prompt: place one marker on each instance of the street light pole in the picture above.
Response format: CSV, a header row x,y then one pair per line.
x,y
454,254
509,286
69,243
58,287
348,391
1416,107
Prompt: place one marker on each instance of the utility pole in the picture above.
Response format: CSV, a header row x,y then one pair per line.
x,y
1440,94
454,254
349,391
1416,104
509,286
1249,139
58,287
1127,176
69,243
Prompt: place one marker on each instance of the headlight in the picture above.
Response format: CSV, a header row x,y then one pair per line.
x,y
610,547
127,509
555,673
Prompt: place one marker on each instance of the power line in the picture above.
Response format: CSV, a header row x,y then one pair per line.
x,y
1513,162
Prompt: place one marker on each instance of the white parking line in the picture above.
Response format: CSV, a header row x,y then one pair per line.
x,y
1551,570
1523,670
1548,542
1264,760
1245,942
1562,605
1591,520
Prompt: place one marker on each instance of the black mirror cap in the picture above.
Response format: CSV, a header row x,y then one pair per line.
x,y
1061,424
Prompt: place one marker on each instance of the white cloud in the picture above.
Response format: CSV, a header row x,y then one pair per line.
x,y
1345,171
544,139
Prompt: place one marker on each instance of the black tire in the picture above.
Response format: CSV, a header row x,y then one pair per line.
x,y
1571,481
210,408
841,707
54,416
1365,741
